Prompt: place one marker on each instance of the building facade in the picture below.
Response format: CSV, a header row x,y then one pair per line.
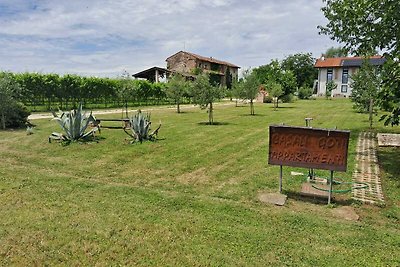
x,y
340,70
188,63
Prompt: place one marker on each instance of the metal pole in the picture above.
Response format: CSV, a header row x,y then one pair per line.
x,y
280,179
330,188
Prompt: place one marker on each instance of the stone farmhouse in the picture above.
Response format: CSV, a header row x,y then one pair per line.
x,y
339,70
189,64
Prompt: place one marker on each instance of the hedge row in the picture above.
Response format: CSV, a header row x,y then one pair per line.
x,y
53,90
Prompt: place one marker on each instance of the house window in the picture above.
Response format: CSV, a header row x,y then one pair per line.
x,y
345,76
344,88
329,75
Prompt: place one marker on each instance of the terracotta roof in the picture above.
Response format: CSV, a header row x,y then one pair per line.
x,y
208,59
346,61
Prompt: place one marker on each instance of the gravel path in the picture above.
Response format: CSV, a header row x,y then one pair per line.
x,y
48,115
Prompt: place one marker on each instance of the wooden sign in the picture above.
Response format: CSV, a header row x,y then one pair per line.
x,y
308,147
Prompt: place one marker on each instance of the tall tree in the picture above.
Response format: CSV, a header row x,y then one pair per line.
x,y
365,26
205,94
336,52
302,66
177,87
365,89
273,72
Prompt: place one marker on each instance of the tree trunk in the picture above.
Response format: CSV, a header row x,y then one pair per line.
x,y
3,121
126,109
371,105
210,114
251,107
178,107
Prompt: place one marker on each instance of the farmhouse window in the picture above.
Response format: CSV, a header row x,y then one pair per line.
x,y
329,75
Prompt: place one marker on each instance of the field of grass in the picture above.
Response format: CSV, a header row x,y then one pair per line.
x,y
189,199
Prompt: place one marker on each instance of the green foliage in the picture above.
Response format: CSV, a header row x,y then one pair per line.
x,y
249,88
274,73
205,94
329,87
302,66
335,52
139,124
275,90
364,28
365,86
305,92
12,113
177,87
74,125
390,93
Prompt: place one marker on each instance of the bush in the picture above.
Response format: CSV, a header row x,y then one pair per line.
x,y
267,99
305,92
16,116
287,98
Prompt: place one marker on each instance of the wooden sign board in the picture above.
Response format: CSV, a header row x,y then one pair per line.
x,y
308,147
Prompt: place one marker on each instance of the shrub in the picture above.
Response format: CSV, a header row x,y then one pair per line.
x,y
267,99
305,92
17,116
287,98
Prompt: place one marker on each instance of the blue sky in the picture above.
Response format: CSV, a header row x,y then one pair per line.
x,y
106,37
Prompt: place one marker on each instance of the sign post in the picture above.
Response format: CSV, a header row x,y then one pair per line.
x,y
308,148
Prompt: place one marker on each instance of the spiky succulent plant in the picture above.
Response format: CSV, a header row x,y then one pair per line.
x,y
74,124
139,125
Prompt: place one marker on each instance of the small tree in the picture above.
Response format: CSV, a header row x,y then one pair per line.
x,y
205,94
177,87
250,88
276,91
330,86
125,90
365,89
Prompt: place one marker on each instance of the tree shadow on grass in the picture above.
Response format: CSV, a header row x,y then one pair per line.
x,y
255,115
216,123
389,160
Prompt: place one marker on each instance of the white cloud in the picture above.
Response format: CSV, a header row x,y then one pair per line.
x,y
104,36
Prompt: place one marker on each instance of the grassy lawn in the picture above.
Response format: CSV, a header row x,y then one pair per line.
x,y
189,199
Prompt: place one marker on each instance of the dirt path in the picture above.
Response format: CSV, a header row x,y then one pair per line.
x,y
367,170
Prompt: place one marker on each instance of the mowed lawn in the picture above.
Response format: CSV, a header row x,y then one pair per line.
x,y
189,199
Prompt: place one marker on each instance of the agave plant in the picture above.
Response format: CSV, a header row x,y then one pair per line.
x,y
139,125
74,125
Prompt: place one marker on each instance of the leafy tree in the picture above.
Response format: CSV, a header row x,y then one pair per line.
x,y
364,27
274,73
276,91
330,86
302,66
205,94
9,106
336,52
125,90
250,88
365,89
177,87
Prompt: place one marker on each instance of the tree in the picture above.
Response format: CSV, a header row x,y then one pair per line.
x,y
363,27
330,86
250,88
177,87
125,90
336,52
205,94
273,72
275,89
366,84
302,66
9,93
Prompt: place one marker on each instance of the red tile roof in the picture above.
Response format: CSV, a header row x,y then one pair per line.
x,y
335,61
208,59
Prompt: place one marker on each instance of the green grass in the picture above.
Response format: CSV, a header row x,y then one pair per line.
x,y
189,199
